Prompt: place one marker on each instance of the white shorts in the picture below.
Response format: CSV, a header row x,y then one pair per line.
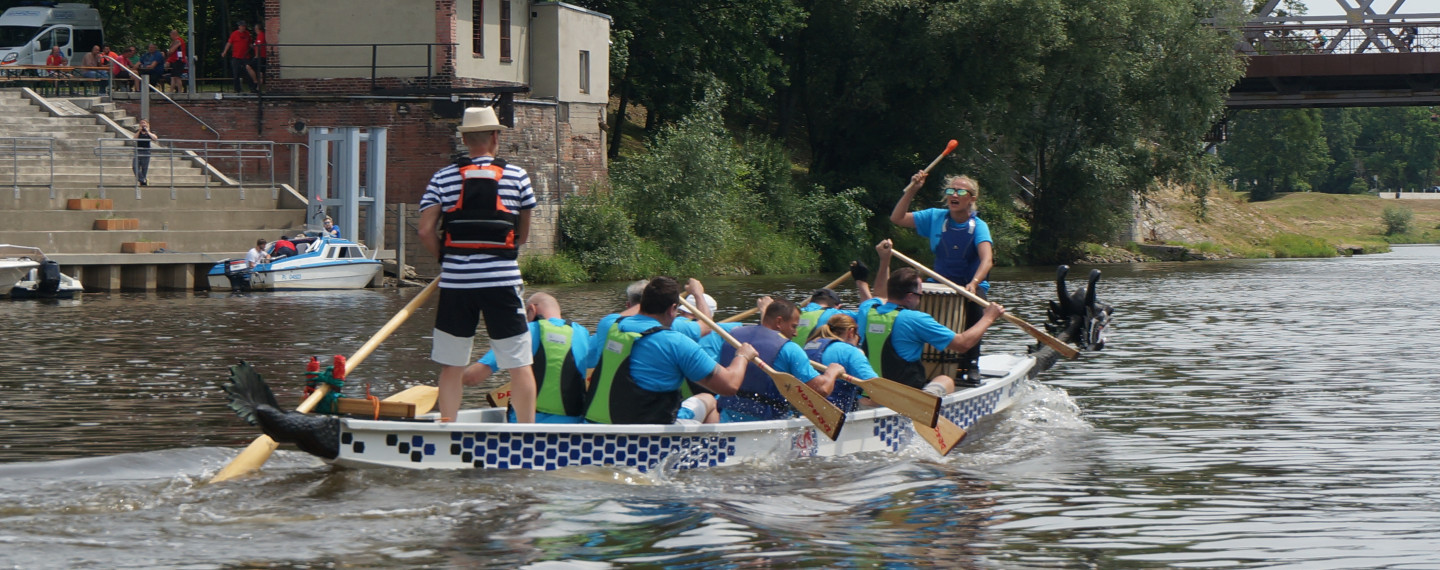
x,y
512,352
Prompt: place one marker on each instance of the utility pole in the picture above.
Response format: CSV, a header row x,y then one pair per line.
x,y
190,43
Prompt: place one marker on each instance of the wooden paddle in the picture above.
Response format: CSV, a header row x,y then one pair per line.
x,y
259,451
1052,342
826,417
949,147
753,310
939,431
919,405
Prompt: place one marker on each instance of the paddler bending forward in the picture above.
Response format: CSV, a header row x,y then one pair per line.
x,y
642,374
894,334
758,399
560,348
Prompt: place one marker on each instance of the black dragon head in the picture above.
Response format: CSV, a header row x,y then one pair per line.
x,y
1077,317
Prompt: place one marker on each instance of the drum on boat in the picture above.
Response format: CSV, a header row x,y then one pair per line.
x,y
948,308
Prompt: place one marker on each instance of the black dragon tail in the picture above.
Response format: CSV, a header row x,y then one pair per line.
x,y
247,391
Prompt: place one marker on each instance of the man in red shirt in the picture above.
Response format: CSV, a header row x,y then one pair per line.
x,y
238,48
259,54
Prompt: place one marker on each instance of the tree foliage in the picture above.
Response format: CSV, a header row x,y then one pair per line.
x,y
1342,151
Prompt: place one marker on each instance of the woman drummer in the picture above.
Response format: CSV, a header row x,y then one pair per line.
x,y
960,240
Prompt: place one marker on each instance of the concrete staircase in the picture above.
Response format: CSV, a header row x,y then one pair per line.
x,y
188,204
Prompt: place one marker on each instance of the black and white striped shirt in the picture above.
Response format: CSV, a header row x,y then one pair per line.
x,y
479,270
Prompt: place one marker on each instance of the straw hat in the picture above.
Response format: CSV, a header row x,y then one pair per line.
x,y
480,119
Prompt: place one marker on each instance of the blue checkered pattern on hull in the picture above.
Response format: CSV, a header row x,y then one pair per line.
x,y
552,451
967,412
896,431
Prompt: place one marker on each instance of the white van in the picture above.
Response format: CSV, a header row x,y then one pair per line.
x,y
29,33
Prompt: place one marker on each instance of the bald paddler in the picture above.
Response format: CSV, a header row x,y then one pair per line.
x,y
758,399
961,241
894,334
559,348
643,368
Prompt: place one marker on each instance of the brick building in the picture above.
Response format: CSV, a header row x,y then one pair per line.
x,y
413,66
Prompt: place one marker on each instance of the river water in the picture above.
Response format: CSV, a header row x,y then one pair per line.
x,y
1259,413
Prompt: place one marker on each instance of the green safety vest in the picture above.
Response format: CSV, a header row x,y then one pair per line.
x,y
560,384
809,321
614,398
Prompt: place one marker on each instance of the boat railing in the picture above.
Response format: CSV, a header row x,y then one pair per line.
x,y
18,148
240,157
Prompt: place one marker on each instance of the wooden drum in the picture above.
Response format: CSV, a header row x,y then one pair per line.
x,y
948,308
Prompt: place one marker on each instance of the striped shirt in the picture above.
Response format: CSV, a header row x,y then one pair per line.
x,y
479,270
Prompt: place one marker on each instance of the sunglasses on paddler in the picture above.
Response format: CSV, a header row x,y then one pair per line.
x,y
961,192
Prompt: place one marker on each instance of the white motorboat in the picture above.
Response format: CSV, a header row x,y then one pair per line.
x,y
321,263
25,273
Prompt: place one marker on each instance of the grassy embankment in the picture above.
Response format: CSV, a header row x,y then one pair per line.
x,y
1309,224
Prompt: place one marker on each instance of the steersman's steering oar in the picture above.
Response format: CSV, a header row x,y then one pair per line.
x,y
259,451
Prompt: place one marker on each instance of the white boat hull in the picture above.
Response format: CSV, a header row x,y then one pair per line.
x,y
11,270
480,439
323,263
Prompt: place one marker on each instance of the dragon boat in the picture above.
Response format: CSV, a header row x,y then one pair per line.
x,y
481,438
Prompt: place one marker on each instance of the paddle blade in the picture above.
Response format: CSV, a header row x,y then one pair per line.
x,y
422,396
943,437
499,397
918,405
826,417
249,460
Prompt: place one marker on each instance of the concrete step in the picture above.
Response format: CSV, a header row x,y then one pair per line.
x,y
153,219
150,198
43,119
70,163
120,177
91,241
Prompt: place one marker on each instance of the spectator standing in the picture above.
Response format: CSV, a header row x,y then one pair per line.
x,y
143,137
176,59
238,48
259,54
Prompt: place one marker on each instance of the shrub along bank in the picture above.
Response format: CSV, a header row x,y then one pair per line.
x,y
699,201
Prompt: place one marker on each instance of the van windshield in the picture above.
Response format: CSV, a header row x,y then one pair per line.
x,y
16,36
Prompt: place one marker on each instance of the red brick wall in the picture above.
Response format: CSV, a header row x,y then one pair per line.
x,y
420,143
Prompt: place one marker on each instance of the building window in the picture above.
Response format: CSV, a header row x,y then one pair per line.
x,y
584,71
477,27
504,30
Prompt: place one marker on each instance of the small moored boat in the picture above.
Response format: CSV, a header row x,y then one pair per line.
x,y
35,276
481,438
321,262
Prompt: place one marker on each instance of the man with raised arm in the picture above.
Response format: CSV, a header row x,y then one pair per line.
x,y
894,333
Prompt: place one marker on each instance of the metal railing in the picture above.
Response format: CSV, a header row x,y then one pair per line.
x,y
28,147
200,153
1270,37
292,52
148,88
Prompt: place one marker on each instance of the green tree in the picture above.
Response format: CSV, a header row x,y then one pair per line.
x,y
1276,150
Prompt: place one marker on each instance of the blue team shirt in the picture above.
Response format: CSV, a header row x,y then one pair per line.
x,y
682,325
579,344
712,343
662,361
913,330
845,395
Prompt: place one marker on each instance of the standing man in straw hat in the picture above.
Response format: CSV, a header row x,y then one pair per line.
x,y
475,215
